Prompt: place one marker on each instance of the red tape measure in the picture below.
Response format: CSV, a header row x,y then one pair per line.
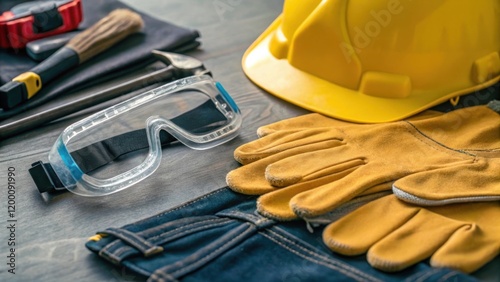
x,y
37,19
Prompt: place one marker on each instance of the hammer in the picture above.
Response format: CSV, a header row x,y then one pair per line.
x,y
178,66
113,28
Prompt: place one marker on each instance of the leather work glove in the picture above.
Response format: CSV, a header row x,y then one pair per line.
x,y
320,168
315,120
279,148
396,234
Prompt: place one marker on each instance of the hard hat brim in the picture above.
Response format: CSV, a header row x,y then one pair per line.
x,y
281,79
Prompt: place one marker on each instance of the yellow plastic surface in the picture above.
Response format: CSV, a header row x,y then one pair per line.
x,y
377,61
32,81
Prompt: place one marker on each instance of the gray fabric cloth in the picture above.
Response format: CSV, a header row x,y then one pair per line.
x,y
131,53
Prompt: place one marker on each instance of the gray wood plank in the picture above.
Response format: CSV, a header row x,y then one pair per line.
x,y
51,232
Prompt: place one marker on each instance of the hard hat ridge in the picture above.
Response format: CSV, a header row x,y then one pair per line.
x,y
377,61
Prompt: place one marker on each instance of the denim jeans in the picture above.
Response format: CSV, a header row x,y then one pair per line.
x,y
220,237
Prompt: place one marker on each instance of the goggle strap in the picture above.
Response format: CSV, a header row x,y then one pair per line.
x,y
45,178
104,152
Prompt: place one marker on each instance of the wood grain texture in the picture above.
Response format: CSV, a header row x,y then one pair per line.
x,y
52,231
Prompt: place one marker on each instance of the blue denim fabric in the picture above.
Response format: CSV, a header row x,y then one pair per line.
x,y
220,237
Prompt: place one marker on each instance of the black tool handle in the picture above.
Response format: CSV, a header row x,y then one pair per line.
x,y
27,84
24,124
59,62
41,49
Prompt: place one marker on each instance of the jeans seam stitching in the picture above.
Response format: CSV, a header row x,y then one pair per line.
x,y
138,241
109,246
219,248
317,257
220,190
120,250
253,219
161,276
105,253
187,231
158,229
244,215
183,227
448,275
421,276
256,220
190,203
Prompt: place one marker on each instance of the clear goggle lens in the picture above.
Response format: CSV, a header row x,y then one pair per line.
x,y
194,111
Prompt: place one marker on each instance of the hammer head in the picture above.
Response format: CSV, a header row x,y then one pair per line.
x,y
182,65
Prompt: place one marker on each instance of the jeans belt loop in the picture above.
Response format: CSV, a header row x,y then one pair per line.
x,y
130,238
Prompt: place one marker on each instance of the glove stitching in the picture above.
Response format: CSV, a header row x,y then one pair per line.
x,y
416,200
272,216
482,150
301,178
386,265
255,156
333,244
433,143
461,225
346,208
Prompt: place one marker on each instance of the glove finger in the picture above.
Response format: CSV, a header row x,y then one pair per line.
x,y
328,197
416,240
464,183
467,251
370,195
359,230
285,140
471,128
250,179
276,204
316,120
310,165
472,248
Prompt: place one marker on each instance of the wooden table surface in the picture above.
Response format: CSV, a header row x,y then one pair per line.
x,y
51,232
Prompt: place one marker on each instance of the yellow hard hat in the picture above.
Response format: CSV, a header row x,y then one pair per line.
x,y
378,60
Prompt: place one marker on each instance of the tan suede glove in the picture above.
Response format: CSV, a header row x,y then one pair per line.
x,y
396,235
322,168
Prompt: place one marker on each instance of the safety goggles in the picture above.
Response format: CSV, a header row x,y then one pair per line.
x,y
117,147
